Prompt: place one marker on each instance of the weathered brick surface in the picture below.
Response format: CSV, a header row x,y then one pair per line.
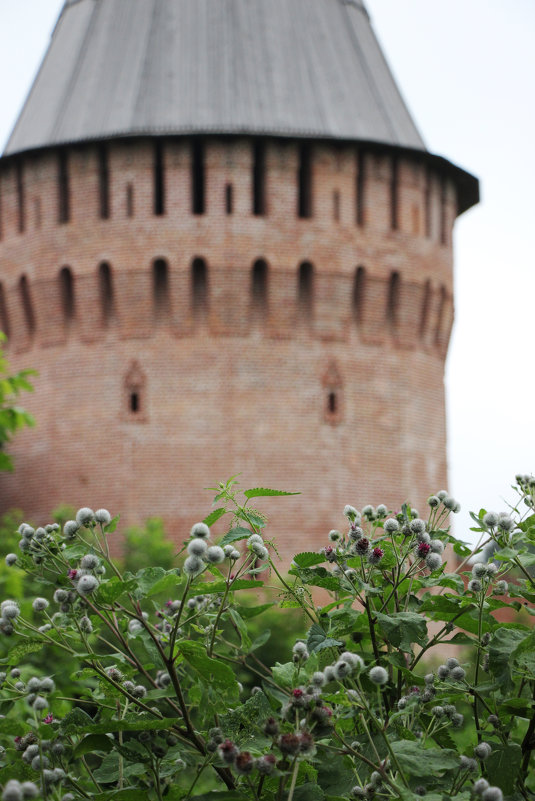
x,y
235,387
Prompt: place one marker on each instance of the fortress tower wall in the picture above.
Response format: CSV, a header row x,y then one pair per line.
x,y
180,337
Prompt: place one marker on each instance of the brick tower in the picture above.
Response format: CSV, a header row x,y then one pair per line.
x,y
226,249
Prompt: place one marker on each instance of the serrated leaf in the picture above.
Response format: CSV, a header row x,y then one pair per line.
x,y
317,639
110,590
263,492
417,761
235,534
217,673
20,650
503,766
402,629
214,516
152,581
308,559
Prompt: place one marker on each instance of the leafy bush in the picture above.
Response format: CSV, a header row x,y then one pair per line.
x,y
142,701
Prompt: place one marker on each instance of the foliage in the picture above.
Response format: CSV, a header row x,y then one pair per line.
x,y
12,417
153,708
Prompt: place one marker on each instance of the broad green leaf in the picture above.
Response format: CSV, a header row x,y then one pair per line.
x,y
504,642
402,629
79,722
153,580
262,492
235,534
317,639
417,761
109,769
244,724
284,674
248,612
21,649
93,743
503,766
130,794
317,577
214,516
216,795
308,559
110,590
216,672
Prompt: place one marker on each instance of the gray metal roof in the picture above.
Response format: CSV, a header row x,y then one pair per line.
x,y
162,67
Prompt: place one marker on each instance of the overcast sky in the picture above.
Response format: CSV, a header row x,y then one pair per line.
x,y
466,69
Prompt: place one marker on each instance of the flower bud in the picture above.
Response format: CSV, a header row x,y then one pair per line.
x,y
378,675
200,530
103,517
85,516
482,751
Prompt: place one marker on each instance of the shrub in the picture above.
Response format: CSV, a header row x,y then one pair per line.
x,y
154,709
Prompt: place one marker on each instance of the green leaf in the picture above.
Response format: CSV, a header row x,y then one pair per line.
x,y
110,590
504,642
262,492
220,586
112,525
417,761
235,534
308,559
216,795
284,674
259,641
243,723
401,629
317,640
20,650
93,743
248,612
154,580
214,516
217,673
109,769
503,766
308,792
79,722
317,577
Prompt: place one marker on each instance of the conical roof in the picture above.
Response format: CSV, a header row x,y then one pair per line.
x,y
299,68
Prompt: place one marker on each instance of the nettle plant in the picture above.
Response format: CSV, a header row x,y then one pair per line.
x,y
404,685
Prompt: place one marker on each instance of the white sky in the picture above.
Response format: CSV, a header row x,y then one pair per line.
x,y
466,69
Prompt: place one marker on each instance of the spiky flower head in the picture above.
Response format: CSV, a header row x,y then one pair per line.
x,y
40,604
490,519
482,751
433,501
12,791
193,566
437,546
391,525
417,526
85,516
318,679
342,669
505,521
351,513
334,535
381,510
300,651
474,585
443,671
501,587
197,547
378,675
10,610
85,625
214,555
26,531
30,790
200,530
11,559
87,584
260,551
449,502
433,561
467,763
492,794
422,549
368,512
375,556
103,517
40,703
90,561
70,529
354,660
356,533
362,546
458,673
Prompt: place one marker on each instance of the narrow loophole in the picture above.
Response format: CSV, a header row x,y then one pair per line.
x,y
332,404
134,402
